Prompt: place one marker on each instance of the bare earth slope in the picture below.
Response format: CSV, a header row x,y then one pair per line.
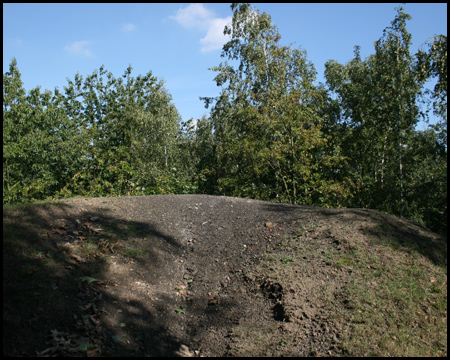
x,y
198,275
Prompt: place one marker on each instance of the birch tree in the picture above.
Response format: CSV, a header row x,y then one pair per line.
x,y
268,130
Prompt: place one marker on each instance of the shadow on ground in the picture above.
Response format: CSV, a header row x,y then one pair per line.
x,y
137,297
43,296
163,272
390,230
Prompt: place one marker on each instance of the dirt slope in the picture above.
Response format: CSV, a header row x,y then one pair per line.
x,y
195,275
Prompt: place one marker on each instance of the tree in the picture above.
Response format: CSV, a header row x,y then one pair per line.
x,y
37,139
426,182
96,138
433,64
378,97
14,112
269,137
198,153
132,127
358,124
400,84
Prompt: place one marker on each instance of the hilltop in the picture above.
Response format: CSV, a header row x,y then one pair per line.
x,y
200,275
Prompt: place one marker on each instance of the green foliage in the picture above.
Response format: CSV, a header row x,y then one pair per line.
x,y
434,64
36,134
378,101
272,134
99,139
267,123
426,180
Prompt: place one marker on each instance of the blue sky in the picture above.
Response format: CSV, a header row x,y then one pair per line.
x,y
179,42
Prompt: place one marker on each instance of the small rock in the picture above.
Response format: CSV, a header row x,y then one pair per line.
x,y
184,351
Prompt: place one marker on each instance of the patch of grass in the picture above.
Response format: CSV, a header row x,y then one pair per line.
x,y
310,227
179,310
35,203
344,261
135,253
394,302
132,248
396,310
90,248
258,340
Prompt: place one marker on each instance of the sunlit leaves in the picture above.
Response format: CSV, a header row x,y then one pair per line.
x,y
268,131
378,100
35,129
93,138
433,64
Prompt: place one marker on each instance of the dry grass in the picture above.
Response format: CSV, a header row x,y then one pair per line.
x,y
386,299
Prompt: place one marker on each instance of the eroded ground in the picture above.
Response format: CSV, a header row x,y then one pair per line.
x,y
197,275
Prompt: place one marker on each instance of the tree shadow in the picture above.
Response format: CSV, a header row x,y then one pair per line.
x,y
42,290
389,230
48,310
43,294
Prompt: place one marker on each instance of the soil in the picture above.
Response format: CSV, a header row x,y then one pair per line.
x,y
181,275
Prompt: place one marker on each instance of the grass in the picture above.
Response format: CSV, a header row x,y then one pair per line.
x,y
389,297
258,340
394,302
396,310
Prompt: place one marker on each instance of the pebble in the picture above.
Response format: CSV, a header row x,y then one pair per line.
x,y
184,351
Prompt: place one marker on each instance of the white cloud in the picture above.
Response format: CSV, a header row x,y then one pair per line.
x,y
201,18
215,39
194,15
128,27
79,48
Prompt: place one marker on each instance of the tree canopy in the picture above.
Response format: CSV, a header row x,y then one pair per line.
x,y
273,133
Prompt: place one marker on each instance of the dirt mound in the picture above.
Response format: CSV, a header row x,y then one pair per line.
x,y
198,275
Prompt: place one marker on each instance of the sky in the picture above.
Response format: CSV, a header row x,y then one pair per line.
x,y
180,42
